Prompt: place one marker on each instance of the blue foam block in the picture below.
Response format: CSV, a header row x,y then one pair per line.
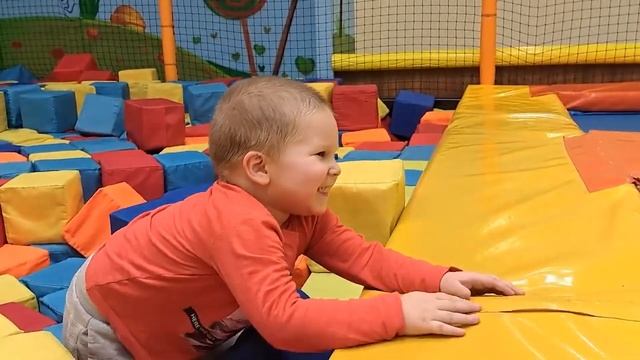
x,y
114,89
52,305
186,168
59,252
201,100
6,146
60,135
97,146
52,278
56,330
411,177
122,217
408,108
13,169
89,172
611,121
101,115
357,155
12,102
417,152
18,73
34,149
185,85
49,111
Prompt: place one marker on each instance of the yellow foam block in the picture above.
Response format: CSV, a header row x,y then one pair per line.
x,y
169,91
344,150
56,155
139,89
383,110
40,345
414,164
12,290
36,206
132,75
180,148
7,328
331,286
325,89
408,192
55,141
80,91
24,137
3,113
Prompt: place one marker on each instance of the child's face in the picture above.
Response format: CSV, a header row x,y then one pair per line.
x,y
306,169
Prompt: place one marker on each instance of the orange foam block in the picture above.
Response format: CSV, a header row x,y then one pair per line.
x,y
353,138
196,140
90,228
441,117
21,260
6,157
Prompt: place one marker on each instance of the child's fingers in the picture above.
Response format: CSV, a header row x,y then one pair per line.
x,y
440,328
454,318
459,305
499,286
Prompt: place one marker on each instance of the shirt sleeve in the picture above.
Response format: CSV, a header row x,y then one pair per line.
x,y
252,263
346,253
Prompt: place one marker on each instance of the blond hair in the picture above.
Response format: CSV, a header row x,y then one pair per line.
x,y
259,114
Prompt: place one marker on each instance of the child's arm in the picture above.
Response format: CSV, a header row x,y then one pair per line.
x,y
251,261
346,253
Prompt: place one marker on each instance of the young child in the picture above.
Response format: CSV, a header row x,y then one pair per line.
x,y
183,280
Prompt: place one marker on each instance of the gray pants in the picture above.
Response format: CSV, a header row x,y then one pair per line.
x,y
86,334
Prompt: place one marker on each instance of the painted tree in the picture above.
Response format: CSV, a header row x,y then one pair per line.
x,y
284,37
239,10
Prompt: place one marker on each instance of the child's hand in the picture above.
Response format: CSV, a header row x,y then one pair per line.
x,y
464,284
441,314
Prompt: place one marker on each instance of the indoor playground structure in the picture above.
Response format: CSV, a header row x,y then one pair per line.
x,y
495,136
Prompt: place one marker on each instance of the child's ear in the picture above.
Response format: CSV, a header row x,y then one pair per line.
x,y
255,167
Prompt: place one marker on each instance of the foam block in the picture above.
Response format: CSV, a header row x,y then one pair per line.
x,y
358,155
412,177
185,85
133,75
71,67
356,107
430,128
138,169
48,111
139,89
438,117
8,157
425,139
169,91
415,164
18,260
52,305
98,146
12,169
408,109
228,81
181,148
12,290
35,149
197,130
122,217
7,328
202,100
184,169
21,346
3,235
90,228
80,91
331,286
153,124
422,152
343,150
53,278
383,110
56,330
8,147
381,146
56,155
114,89
353,138
93,75
101,115
325,89
24,137
59,252
4,125
12,102
26,319
26,220
18,73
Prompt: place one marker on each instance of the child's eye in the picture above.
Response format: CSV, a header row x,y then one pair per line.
x,y
321,153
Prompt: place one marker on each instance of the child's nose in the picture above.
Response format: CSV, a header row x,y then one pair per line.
x,y
335,170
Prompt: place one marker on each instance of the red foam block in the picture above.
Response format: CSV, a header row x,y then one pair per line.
x,y
71,67
25,318
97,75
424,139
430,128
356,107
197,130
153,124
135,167
381,145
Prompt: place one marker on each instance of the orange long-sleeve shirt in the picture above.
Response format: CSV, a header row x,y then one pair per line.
x,y
186,277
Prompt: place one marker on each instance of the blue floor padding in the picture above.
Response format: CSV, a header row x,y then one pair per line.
x,y
611,121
